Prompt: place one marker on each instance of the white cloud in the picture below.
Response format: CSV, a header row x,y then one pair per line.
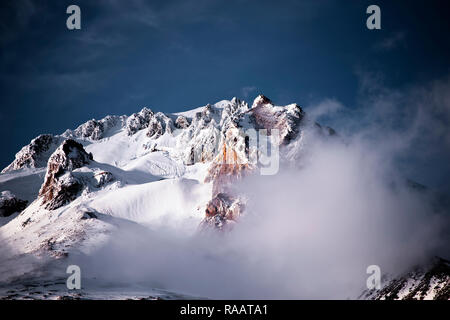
x,y
326,107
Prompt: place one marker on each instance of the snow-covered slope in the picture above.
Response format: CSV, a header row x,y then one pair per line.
x,y
427,282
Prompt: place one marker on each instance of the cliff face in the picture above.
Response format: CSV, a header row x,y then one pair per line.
x,y
60,186
286,120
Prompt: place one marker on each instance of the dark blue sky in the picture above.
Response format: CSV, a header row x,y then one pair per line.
x,y
170,55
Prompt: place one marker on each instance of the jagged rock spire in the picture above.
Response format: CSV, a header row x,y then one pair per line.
x,y
59,185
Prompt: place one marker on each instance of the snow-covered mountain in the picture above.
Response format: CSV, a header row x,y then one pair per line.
x,y
201,150
428,282
70,194
123,172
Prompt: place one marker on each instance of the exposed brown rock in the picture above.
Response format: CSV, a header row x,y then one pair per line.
x,y
60,186
285,119
230,165
221,210
226,169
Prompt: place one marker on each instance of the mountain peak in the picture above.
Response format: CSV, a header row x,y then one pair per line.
x,y
261,100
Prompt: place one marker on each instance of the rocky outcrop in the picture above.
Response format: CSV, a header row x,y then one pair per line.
x,y
60,186
226,168
94,129
102,178
232,161
201,142
10,204
225,206
237,157
138,121
38,151
429,282
159,124
35,154
156,123
286,119
222,211
181,122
